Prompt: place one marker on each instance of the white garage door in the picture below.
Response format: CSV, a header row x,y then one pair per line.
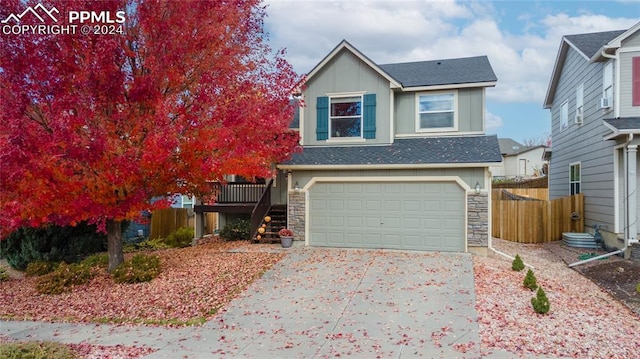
x,y
397,215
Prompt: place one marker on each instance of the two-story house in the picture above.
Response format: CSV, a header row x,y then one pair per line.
x,y
394,156
594,98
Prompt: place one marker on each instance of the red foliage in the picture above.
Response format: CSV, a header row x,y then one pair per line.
x,y
93,127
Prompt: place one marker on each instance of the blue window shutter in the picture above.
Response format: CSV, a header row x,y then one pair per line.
x,y
322,114
370,116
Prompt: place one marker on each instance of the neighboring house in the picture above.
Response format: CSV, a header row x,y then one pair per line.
x,y
519,161
594,98
394,156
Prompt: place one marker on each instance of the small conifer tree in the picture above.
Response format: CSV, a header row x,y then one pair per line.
x,y
540,302
530,280
517,264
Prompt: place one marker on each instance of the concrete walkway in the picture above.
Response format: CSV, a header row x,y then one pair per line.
x,y
318,303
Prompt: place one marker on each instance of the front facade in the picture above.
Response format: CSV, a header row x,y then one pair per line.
x,y
394,156
594,98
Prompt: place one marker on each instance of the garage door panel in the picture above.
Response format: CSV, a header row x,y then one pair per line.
x,y
354,239
400,215
336,221
392,205
412,205
373,240
373,205
412,223
355,222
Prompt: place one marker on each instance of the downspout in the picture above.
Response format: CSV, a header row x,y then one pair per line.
x,y
489,214
630,229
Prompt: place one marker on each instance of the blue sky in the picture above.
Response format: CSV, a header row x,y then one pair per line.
x,y
521,39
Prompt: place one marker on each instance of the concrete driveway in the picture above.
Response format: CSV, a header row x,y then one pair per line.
x,y
319,303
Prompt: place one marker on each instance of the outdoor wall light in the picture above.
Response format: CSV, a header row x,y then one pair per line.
x,y
477,187
296,187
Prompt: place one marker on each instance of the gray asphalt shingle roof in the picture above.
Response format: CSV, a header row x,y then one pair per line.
x,y
590,43
442,72
508,146
409,151
625,123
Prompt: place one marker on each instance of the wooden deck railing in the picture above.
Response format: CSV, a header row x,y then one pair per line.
x,y
236,192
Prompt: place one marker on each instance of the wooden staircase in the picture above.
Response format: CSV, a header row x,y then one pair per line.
x,y
278,214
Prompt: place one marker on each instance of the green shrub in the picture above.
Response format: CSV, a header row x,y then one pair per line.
x,y
183,237
530,280
37,350
638,288
63,278
3,274
140,268
96,260
540,302
517,264
39,268
51,243
239,229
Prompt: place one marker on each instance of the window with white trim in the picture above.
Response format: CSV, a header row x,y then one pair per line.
x,y
580,103
564,115
345,117
436,112
574,178
607,83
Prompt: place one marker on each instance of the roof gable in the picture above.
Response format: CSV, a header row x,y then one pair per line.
x,y
587,45
590,44
345,45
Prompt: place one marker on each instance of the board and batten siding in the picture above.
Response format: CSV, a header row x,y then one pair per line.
x,y
470,176
470,111
343,74
583,143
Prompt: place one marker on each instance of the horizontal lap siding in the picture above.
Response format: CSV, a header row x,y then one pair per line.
x,y
583,143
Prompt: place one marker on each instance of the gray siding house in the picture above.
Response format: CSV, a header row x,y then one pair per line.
x,y
394,156
594,99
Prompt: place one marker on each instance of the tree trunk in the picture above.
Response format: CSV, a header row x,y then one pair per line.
x,y
114,244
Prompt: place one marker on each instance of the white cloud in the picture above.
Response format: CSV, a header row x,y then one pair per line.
x,y
401,31
493,122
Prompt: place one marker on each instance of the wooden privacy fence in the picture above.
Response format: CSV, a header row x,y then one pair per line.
x,y
535,193
168,220
536,221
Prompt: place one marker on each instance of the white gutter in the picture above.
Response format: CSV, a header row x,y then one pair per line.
x,y
489,214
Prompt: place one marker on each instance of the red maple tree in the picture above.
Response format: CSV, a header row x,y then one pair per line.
x,y
93,127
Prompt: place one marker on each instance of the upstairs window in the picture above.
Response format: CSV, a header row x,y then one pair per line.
x,y
564,115
574,178
436,112
345,117
607,83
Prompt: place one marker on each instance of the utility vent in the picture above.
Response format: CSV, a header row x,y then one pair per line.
x,y
578,119
604,103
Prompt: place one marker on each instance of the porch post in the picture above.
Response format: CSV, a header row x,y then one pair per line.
x,y
198,223
632,194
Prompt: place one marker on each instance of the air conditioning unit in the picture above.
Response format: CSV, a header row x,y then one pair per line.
x,y
578,119
604,103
